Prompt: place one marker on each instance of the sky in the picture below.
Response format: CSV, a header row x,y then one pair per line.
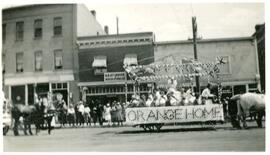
x,y
172,21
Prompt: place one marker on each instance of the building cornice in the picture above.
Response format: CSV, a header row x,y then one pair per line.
x,y
130,39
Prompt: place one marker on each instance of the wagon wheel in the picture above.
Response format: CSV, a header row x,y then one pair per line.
x,y
144,127
150,127
158,127
210,124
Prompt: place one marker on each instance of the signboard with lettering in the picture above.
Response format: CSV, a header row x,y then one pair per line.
x,y
199,113
114,76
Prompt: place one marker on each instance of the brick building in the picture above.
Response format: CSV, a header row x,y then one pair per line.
x,y
101,61
260,39
39,48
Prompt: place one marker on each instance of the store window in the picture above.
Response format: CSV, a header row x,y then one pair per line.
x,y
239,89
18,94
38,61
253,87
60,88
38,28
19,31
58,59
19,62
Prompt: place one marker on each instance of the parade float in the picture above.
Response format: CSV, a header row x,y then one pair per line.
x,y
155,112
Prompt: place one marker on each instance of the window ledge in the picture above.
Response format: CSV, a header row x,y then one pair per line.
x,y
60,69
58,36
37,38
18,41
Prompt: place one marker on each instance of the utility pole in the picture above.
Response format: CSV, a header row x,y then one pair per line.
x,y
117,27
194,30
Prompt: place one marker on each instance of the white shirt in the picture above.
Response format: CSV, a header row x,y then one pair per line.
x,y
87,110
81,108
206,93
71,111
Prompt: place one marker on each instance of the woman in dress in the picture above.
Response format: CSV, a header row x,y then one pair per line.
x,y
107,114
119,116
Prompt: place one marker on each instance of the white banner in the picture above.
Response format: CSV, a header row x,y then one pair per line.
x,y
171,114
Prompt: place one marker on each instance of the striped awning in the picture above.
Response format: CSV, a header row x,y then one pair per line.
x,y
130,59
100,61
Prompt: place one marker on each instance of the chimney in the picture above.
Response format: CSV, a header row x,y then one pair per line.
x,y
106,29
93,13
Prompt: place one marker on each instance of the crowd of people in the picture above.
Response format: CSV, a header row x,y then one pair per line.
x,y
88,113
81,114
174,97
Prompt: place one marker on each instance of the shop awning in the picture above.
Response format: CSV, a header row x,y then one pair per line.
x,y
31,78
100,61
131,59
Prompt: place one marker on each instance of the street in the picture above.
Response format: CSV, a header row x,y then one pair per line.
x,y
126,139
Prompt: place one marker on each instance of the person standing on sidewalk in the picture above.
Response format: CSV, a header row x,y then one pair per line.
x,y
86,114
119,116
107,114
100,110
81,111
71,115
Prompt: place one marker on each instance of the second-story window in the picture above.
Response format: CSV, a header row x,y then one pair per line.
x,y
38,61
58,59
100,65
19,31
38,28
57,26
19,62
4,27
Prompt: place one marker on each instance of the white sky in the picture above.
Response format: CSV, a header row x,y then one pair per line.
x,y
172,21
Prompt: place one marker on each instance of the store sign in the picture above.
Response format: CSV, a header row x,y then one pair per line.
x,y
114,76
200,113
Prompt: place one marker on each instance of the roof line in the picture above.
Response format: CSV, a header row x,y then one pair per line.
x,y
206,40
114,35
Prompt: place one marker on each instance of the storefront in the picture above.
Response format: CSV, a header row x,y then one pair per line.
x,y
25,88
115,87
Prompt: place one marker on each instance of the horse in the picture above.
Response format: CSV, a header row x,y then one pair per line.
x,y
31,114
247,103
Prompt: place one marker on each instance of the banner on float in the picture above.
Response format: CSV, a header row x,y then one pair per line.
x,y
170,114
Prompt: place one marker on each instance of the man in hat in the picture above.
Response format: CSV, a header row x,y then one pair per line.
x,y
81,112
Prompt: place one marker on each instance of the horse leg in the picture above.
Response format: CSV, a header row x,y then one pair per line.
x,y
37,124
49,120
244,121
30,130
25,126
259,119
15,128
